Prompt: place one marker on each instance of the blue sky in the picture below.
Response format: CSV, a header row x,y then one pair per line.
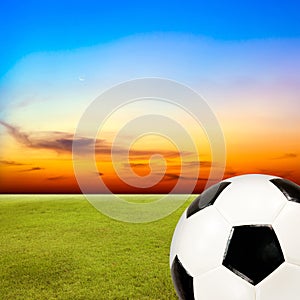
x,y
34,26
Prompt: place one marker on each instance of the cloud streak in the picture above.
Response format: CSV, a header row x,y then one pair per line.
x,y
64,141
199,164
33,169
287,156
173,176
51,140
11,163
56,178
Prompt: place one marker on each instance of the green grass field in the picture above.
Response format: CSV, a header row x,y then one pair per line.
x,y
61,247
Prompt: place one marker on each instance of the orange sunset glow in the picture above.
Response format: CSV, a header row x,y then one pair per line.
x,y
251,87
41,162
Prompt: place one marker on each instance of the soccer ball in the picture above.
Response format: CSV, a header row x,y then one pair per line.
x,y
238,240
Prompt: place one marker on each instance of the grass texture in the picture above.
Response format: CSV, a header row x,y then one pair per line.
x,y
61,247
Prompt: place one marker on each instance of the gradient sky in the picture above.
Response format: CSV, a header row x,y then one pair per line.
x,y
57,57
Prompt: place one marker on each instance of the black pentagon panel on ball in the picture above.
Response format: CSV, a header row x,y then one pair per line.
x,y
183,282
253,252
207,198
290,189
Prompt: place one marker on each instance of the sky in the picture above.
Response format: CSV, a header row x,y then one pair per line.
x,y
58,56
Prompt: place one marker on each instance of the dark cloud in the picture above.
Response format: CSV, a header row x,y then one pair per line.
x,y
104,148
198,163
276,172
64,141
145,154
187,164
51,140
172,176
136,165
16,133
271,171
287,156
203,179
100,174
33,169
11,163
55,178
230,173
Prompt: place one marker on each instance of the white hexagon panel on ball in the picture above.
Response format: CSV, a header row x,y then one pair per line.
x,y
236,241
